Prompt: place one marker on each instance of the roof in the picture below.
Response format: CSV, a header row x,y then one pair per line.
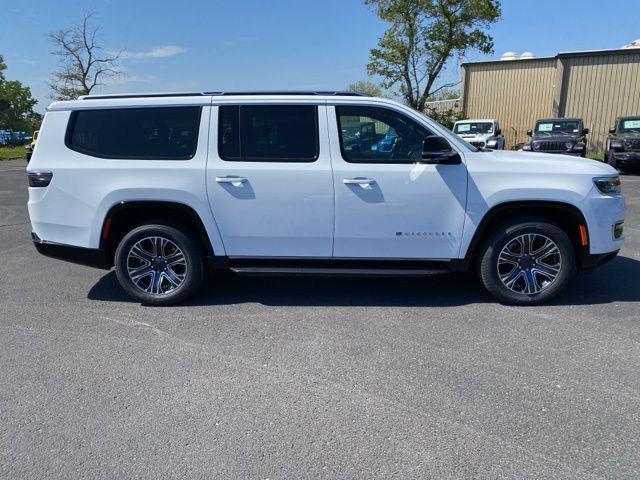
x,y
141,100
577,119
577,53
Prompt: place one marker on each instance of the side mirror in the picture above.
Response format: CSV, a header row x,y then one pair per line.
x,y
585,131
612,130
436,150
498,131
530,133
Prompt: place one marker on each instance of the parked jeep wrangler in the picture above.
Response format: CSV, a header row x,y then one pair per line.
x,y
480,133
622,149
558,135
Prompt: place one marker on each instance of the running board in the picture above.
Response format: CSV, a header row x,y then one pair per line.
x,y
336,271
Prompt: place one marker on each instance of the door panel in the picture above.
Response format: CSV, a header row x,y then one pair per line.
x,y
392,210
273,208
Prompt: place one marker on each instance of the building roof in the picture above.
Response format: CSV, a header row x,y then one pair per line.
x,y
578,53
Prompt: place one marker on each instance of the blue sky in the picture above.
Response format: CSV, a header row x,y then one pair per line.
x,y
275,44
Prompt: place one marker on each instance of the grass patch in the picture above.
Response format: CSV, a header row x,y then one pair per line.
x,y
12,152
595,156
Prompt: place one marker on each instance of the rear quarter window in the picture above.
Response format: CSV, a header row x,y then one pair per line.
x,y
154,133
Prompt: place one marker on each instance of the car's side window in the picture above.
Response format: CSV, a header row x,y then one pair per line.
x,y
379,135
268,133
150,133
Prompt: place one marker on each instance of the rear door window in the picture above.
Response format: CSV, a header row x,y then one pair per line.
x,y
153,133
268,133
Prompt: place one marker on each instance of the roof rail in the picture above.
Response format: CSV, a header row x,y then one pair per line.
x,y
220,93
139,95
291,92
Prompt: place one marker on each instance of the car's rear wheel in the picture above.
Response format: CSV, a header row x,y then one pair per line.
x,y
526,262
159,264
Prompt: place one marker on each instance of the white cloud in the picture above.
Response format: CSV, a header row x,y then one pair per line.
x,y
157,52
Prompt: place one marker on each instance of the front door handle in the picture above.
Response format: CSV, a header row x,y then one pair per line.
x,y
235,181
363,182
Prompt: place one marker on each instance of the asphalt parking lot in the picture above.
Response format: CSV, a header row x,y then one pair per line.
x,y
313,378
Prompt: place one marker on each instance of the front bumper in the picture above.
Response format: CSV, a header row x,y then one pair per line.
x,y
627,159
89,257
560,152
588,262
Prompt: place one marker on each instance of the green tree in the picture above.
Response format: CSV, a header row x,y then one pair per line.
x,y
83,63
365,86
3,67
16,105
445,94
445,116
422,36
445,112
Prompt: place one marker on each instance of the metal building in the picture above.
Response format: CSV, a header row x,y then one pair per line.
x,y
596,85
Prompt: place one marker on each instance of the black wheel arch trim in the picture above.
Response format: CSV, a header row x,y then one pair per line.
x,y
183,208
582,253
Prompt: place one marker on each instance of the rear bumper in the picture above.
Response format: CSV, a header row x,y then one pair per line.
x,y
88,257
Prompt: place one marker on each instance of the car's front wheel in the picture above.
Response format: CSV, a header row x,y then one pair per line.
x,y
526,262
159,264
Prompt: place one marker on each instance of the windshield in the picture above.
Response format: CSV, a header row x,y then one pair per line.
x,y
558,126
473,128
630,125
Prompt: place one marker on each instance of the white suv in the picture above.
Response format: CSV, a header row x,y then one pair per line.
x,y
480,133
161,186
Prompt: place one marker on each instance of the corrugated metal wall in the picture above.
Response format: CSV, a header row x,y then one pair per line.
x,y
515,93
599,89
596,86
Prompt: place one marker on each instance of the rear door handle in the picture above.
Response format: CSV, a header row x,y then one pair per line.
x,y
235,181
363,182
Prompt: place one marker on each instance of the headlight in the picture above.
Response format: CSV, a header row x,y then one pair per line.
x,y
526,147
492,143
616,144
608,185
568,145
536,146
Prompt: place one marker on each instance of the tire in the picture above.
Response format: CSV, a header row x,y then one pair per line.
x,y
608,158
165,279
538,277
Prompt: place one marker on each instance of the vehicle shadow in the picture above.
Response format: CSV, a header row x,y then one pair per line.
x,y
618,281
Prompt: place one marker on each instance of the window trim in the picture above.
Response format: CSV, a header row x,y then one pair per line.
x,y
72,123
263,159
380,162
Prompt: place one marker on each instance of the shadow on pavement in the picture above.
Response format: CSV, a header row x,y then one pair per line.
x,y
618,280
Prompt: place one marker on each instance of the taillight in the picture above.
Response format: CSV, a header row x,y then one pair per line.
x,y
39,179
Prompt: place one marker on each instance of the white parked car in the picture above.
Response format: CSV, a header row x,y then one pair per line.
x,y
480,133
161,186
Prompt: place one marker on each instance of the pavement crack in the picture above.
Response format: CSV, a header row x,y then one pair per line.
x,y
14,224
